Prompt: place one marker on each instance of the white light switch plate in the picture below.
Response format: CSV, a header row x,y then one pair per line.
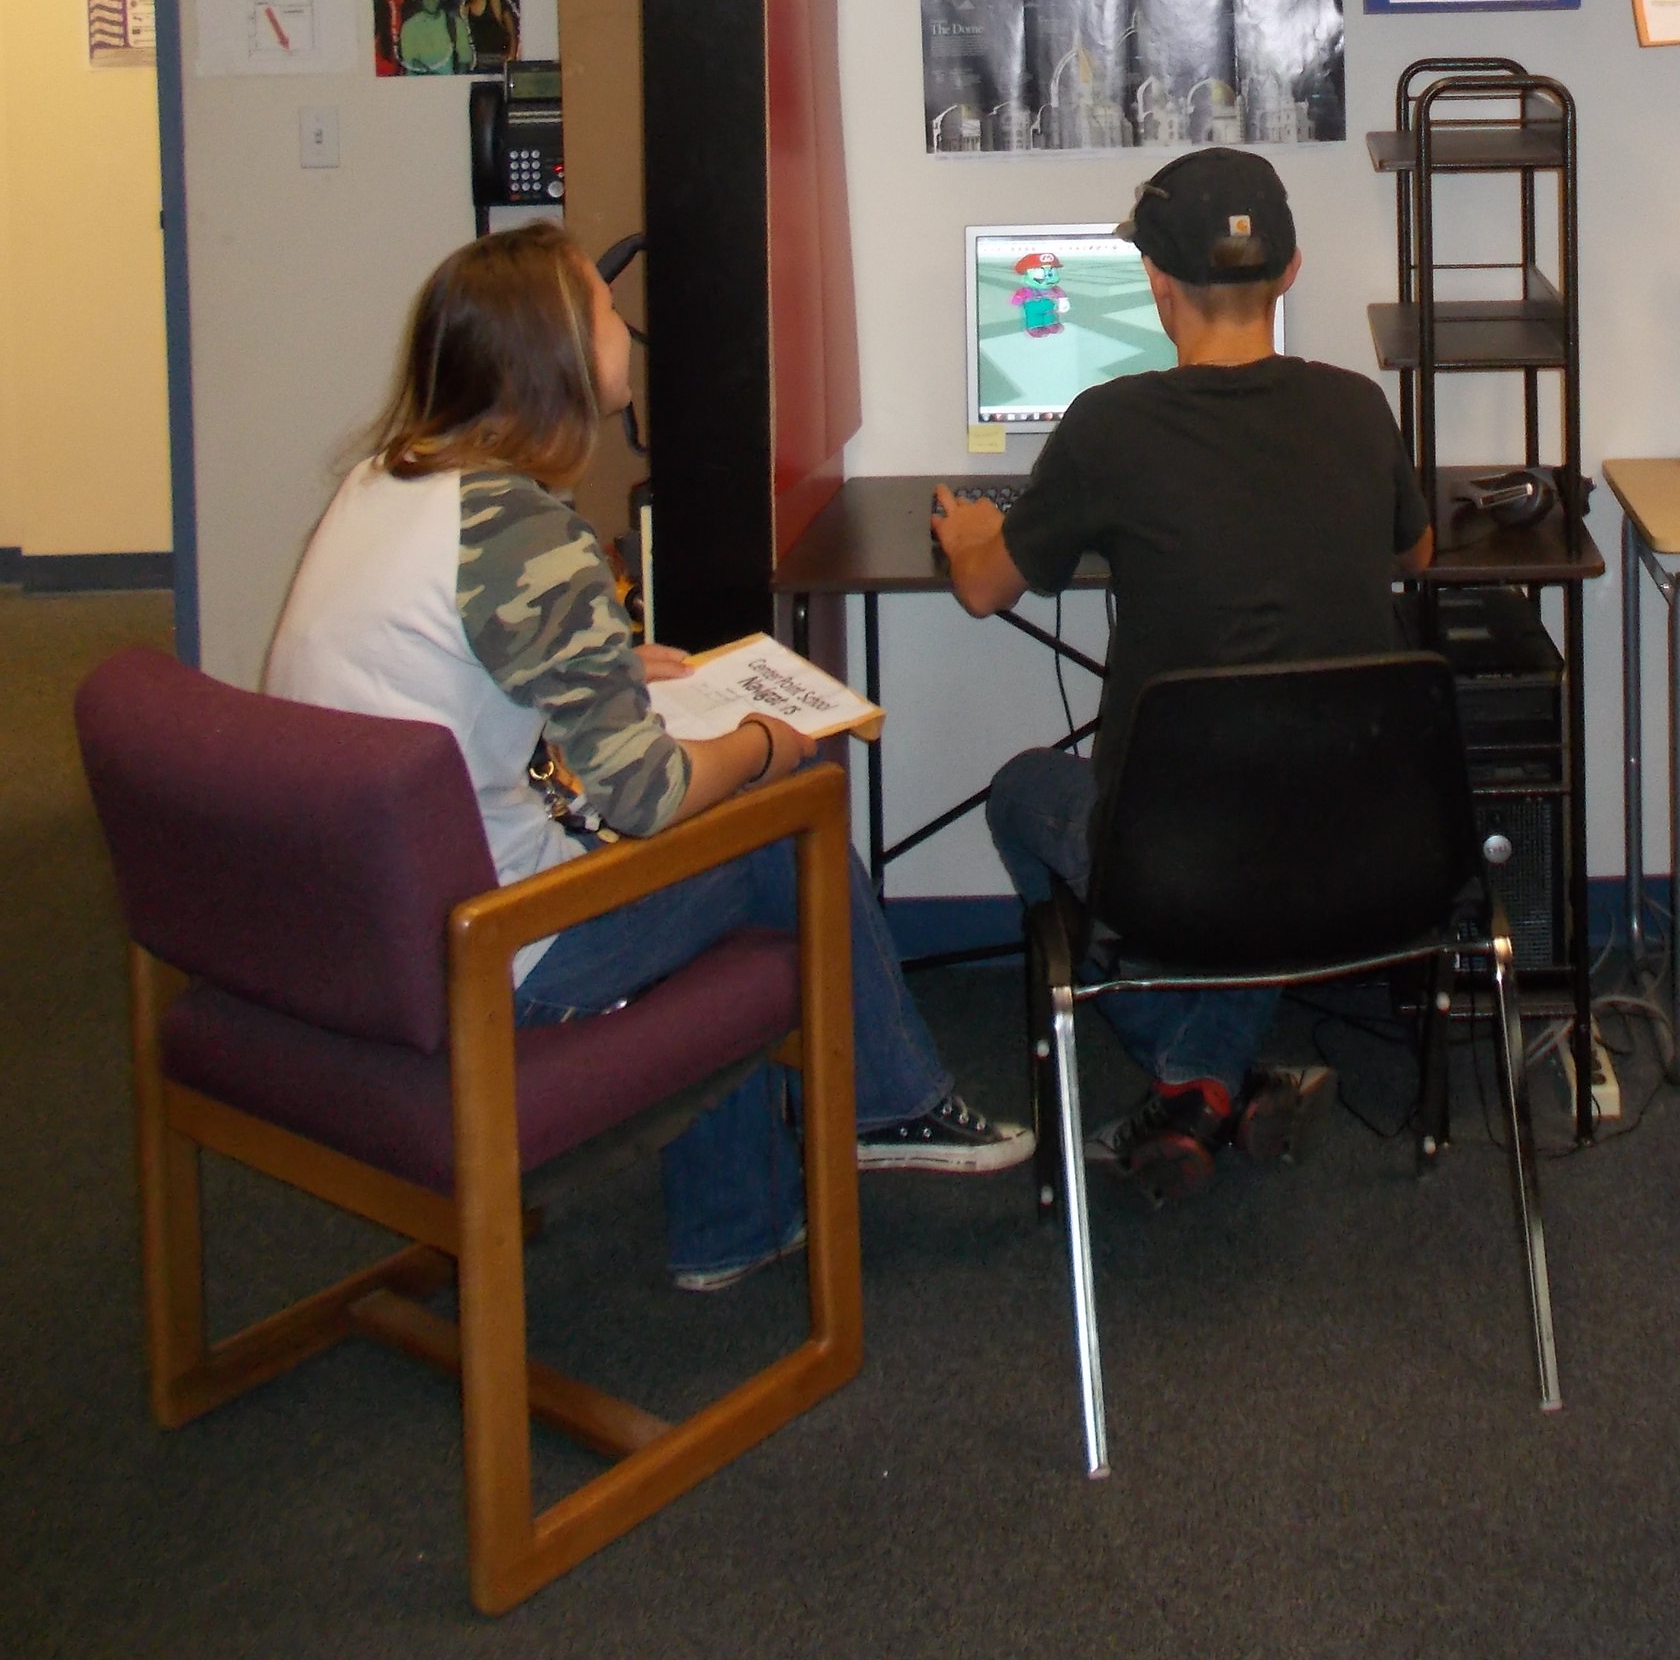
x,y
318,136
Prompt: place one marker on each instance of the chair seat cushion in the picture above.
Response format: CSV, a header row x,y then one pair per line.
x,y
389,1105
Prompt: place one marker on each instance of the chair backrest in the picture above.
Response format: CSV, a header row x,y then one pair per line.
x,y
1273,818
299,857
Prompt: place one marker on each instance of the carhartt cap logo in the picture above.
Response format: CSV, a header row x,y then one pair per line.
x,y
1214,216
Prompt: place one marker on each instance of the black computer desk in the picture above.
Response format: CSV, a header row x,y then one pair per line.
x,y
872,539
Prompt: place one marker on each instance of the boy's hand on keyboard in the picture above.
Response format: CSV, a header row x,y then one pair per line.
x,y
963,525
970,534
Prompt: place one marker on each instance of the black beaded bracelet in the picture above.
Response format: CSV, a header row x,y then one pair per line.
x,y
769,744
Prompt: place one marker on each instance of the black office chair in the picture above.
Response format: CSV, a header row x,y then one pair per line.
x,y
1276,826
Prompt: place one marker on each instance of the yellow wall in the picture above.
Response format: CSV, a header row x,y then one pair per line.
x,y
84,446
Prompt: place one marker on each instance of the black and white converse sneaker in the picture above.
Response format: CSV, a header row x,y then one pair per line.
x,y
952,1137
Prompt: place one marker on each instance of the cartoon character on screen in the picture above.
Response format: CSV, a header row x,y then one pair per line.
x,y
1040,296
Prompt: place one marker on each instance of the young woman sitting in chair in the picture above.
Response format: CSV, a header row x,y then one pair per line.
x,y
451,580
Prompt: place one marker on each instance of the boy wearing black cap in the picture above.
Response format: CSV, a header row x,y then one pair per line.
x,y
1252,509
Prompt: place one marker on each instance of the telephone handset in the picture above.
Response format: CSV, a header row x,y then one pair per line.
x,y
516,139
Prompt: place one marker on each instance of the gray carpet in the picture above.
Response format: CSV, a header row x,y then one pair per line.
x,y
1323,1415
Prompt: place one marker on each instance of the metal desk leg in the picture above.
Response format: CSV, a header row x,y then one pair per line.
x,y
872,691
1669,594
1580,948
1633,777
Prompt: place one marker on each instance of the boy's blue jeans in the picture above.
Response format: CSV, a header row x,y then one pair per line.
x,y
1038,811
734,1187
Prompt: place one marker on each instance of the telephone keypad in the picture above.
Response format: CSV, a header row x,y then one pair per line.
x,y
527,176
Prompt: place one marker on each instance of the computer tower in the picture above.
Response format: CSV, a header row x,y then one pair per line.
x,y
1509,678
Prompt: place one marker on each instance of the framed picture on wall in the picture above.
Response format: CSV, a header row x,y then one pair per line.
x,y
1002,76
1658,22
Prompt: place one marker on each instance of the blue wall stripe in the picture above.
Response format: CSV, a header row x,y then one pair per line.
x,y
177,322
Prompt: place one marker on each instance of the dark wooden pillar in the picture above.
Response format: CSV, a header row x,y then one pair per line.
x,y
752,367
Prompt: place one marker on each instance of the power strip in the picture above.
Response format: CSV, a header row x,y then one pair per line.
x,y
1606,1092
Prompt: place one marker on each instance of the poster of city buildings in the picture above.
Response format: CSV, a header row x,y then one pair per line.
x,y
1002,75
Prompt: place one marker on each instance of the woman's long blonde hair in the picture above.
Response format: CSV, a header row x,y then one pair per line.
x,y
499,368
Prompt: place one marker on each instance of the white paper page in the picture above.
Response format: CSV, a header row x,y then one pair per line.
x,y
760,676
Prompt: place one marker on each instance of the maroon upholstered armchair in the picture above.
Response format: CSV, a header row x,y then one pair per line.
x,y
322,989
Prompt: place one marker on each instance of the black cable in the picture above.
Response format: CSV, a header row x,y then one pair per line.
x,y
1384,1028
1061,683
1381,1132
1476,1068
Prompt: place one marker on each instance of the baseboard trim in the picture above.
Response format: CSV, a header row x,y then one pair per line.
x,y
67,573
932,927
1607,907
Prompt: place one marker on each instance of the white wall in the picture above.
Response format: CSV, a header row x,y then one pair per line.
x,y
300,279
301,284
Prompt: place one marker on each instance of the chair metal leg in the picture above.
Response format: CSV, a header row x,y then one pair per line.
x,y
1040,1067
1079,1234
1525,1179
1433,1125
1048,945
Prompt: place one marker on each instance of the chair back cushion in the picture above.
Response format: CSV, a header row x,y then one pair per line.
x,y
1273,818
302,858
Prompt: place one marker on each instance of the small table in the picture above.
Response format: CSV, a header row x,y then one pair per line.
x,y
872,539
1649,493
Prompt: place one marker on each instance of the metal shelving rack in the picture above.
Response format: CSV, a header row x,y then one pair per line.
x,y
1523,125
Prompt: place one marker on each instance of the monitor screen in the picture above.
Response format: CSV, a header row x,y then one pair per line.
x,y
1053,309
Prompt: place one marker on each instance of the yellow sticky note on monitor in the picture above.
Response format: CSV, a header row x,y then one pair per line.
x,y
986,438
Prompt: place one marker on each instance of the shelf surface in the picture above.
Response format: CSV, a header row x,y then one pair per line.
x,y
1472,548
1491,147
1473,334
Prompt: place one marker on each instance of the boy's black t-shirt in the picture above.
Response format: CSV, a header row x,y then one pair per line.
x,y
1248,515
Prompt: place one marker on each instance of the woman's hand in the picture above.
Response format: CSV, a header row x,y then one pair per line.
x,y
663,662
759,751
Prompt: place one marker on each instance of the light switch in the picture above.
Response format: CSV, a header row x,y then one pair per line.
x,y
318,136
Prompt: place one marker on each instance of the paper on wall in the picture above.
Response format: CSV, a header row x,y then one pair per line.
x,y
276,37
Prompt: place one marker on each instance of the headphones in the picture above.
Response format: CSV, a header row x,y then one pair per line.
x,y
610,265
1516,499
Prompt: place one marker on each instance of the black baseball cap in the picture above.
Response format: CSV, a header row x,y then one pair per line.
x,y
1214,198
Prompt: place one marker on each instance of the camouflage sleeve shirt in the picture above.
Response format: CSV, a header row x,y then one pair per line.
x,y
540,611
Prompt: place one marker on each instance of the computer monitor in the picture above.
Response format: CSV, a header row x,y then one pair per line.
x,y
1051,310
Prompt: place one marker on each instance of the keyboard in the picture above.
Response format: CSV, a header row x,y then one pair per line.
x,y
1001,492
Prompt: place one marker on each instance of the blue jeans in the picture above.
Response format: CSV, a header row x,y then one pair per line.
x,y
734,1185
1039,812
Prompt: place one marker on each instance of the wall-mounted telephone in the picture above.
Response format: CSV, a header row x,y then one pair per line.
x,y
516,145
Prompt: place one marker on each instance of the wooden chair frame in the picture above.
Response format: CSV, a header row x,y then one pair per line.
x,y
479,1233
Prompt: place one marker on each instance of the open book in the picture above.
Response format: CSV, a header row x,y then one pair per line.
x,y
758,675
